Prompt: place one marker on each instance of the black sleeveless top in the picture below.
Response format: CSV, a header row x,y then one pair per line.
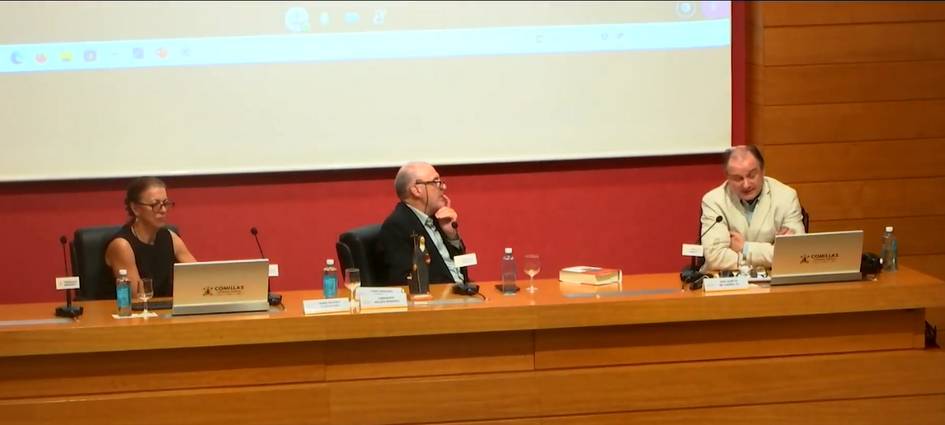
x,y
154,261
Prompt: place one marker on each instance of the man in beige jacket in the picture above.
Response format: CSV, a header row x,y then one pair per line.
x,y
754,209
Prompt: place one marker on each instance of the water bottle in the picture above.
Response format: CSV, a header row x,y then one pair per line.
x,y
890,253
508,272
330,279
123,291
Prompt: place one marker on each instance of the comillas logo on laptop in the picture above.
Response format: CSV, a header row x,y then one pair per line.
x,y
218,290
820,258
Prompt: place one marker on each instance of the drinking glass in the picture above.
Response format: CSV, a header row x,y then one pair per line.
x,y
352,282
145,293
532,267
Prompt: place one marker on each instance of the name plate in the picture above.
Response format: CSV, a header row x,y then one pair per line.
x,y
330,305
382,297
690,250
465,260
725,283
71,282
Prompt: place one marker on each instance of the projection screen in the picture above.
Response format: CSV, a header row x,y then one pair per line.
x,y
102,89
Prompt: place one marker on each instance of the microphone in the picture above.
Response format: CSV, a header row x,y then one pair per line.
x,y
65,264
274,299
691,274
255,233
67,310
465,288
717,221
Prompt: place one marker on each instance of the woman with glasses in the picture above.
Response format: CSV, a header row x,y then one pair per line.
x,y
144,246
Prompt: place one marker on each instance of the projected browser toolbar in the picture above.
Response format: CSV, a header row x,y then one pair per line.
x,y
206,51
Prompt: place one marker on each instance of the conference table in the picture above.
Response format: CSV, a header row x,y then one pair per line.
x,y
644,351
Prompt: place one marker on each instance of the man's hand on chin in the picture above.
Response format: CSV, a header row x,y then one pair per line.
x,y
445,217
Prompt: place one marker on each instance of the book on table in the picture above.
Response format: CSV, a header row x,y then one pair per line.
x,y
589,275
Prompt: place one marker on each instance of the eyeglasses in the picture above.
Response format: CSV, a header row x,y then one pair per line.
x,y
436,182
156,205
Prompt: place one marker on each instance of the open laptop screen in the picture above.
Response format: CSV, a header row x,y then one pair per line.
x,y
221,286
817,257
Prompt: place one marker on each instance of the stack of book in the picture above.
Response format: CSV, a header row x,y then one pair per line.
x,y
589,275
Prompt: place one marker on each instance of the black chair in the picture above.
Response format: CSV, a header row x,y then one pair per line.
x,y
805,218
360,247
88,262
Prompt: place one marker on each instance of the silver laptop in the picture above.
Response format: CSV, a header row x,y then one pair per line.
x,y
221,287
817,257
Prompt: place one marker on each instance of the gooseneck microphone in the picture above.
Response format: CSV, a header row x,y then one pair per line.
x,y
255,233
274,299
717,221
65,264
691,274
465,288
67,310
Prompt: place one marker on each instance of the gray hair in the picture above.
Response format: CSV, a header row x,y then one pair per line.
x,y
406,176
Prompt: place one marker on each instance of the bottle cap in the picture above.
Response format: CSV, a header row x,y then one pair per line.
x,y
889,229
122,272
330,261
508,250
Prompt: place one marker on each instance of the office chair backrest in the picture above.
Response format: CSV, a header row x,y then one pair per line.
x,y
88,262
359,248
805,218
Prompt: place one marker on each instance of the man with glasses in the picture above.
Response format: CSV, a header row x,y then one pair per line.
x,y
754,209
424,210
144,246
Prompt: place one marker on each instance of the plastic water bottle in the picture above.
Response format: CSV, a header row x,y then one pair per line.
x,y
890,253
330,279
123,291
508,272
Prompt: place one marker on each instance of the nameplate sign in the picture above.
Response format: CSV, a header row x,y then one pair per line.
x,y
382,297
330,305
71,282
465,260
690,250
725,283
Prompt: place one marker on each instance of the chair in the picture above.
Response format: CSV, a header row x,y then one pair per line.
x,y
359,247
805,218
88,261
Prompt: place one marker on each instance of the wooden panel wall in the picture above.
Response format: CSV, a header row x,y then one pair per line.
x,y
847,100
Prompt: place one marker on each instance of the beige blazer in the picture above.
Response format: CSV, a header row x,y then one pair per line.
x,y
777,207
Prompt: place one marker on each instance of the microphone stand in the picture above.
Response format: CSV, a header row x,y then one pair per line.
x,y
465,288
691,274
67,310
273,298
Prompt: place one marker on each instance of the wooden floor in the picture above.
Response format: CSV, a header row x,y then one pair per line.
x,y
814,354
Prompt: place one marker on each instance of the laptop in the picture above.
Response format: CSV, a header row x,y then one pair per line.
x,y
221,287
817,257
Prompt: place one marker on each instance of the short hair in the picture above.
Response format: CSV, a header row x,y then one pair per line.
x,y
739,151
405,177
136,187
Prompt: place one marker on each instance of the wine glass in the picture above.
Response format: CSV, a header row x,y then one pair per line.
x,y
145,293
352,282
532,267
